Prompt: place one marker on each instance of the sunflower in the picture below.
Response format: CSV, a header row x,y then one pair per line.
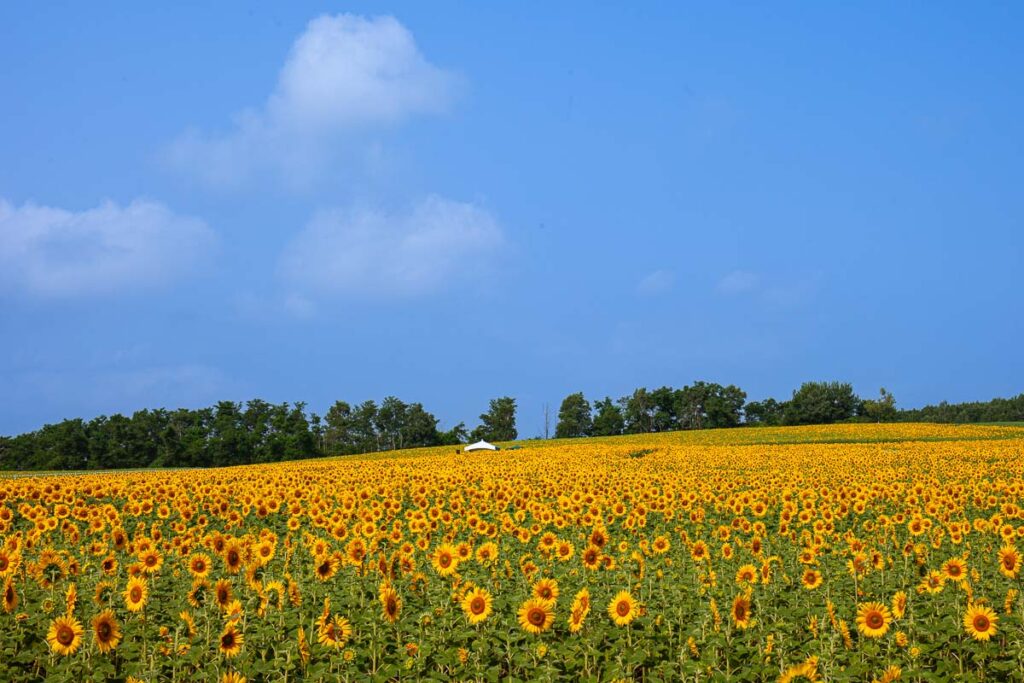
x,y
65,635
233,557
197,594
741,611
899,605
326,566
955,569
10,596
477,605
623,608
980,622
151,561
232,677
747,574
231,640
592,557
811,579
106,632
445,560
487,553
873,619
536,615
334,632
1009,561
546,589
390,602
199,565
136,594
222,593
699,551
806,671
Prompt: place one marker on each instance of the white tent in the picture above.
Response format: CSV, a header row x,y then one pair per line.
x,y
480,446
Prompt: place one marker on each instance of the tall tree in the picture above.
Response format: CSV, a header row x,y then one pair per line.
x,y
574,418
768,412
499,422
882,409
608,418
638,412
821,403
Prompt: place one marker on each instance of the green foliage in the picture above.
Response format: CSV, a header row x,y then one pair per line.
x,y
821,403
574,418
499,422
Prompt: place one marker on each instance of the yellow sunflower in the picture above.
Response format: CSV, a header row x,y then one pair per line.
x,y
231,640
546,589
741,614
811,579
477,605
873,619
106,631
136,594
390,602
65,635
623,608
980,622
536,615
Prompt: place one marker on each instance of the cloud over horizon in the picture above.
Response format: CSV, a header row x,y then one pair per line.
x,y
368,252
54,252
344,74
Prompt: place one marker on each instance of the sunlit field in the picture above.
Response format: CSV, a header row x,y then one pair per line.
x,y
853,552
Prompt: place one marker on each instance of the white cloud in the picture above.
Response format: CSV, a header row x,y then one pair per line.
x,y
344,74
362,252
656,282
54,252
738,282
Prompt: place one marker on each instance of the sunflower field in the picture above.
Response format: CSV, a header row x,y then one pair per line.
x,y
851,552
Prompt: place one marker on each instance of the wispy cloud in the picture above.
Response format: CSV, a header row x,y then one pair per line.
x,y
54,252
656,282
738,282
344,74
371,253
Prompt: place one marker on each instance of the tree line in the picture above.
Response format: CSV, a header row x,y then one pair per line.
x,y
231,433
256,431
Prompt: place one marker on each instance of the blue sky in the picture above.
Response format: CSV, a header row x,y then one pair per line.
x,y
451,202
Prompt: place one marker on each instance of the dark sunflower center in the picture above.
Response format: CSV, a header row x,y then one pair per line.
x,y
65,636
981,623
536,617
103,630
740,612
227,640
875,620
136,594
477,605
622,608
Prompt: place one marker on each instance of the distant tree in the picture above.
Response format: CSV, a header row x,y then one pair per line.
x,y
389,421
364,430
768,412
638,412
499,422
574,418
821,403
454,436
882,409
607,418
664,416
420,427
708,405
